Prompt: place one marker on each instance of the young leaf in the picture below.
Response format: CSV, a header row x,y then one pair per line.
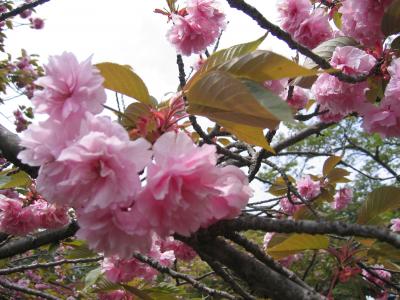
x,y
248,134
19,179
123,80
262,65
378,201
225,55
222,97
330,164
133,112
391,19
297,243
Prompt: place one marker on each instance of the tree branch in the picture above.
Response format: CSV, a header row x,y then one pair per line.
x,y
303,226
26,290
276,31
24,244
9,147
156,265
49,265
20,9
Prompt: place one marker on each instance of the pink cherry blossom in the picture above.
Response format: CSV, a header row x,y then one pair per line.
x,y
342,199
383,119
395,225
70,89
114,231
329,117
314,30
289,207
292,13
352,61
362,20
99,169
123,270
198,29
185,190
377,269
206,10
180,250
276,86
299,98
14,218
341,98
48,215
308,188
44,141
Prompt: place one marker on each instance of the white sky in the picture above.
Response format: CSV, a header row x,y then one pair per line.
x,y
126,32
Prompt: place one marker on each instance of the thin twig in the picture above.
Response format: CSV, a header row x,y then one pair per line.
x,y
25,290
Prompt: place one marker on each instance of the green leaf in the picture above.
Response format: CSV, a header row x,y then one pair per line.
x,y
330,164
248,134
378,201
79,251
298,243
225,55
19,179
337,19
92,277
391,19
262,65
122,79
222,97
385,251
325,50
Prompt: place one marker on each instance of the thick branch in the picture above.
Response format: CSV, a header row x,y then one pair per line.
x,y
49,265
18,10
25,290
9,147
24,244
264,281
304,226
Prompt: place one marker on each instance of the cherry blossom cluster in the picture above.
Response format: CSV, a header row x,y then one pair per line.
x,y
88,162
362,20
124,270
196,27
19,217
310,189
307,26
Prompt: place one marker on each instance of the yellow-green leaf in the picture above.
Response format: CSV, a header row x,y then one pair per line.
x,y
222,97
385,251
225,55
248,134
338,175
19,179
297,243
123,80
391,19
378,201
279,187
337,19
330,164
262,65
